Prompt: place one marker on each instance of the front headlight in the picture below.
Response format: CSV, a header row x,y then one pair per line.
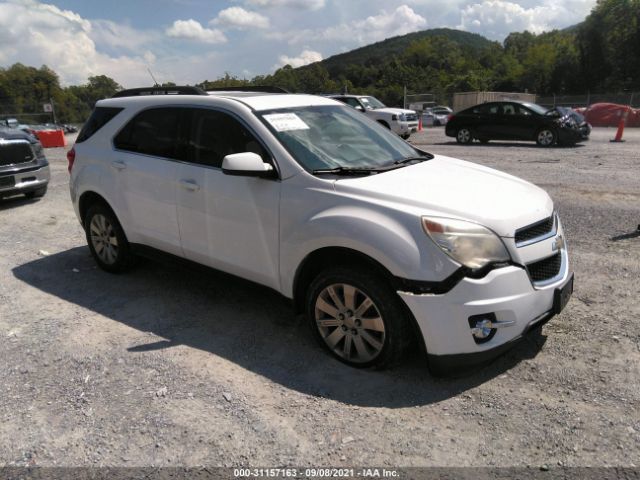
x,y
38,150
470,244
403,117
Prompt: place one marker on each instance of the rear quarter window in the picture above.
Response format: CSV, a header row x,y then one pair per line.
x,y
98,119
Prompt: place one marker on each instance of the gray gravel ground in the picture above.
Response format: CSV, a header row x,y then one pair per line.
x,y
167,366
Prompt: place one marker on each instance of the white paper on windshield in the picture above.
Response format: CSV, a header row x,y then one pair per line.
x,y
284,122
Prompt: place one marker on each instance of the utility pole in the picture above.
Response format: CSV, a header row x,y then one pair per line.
x,y
53,111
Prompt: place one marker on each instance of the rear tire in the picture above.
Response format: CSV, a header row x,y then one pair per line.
x,y
106,239
358,318
464,136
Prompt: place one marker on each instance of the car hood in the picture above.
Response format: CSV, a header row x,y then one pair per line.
x,y
394,111
13,134
454,188
565,114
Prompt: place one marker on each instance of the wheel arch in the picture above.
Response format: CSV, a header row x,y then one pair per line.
x,y
89,198
554,129
317,260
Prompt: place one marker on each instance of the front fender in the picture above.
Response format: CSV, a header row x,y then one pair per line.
x,y
398,244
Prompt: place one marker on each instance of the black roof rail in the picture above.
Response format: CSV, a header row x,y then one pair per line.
x,y
136,92
250,88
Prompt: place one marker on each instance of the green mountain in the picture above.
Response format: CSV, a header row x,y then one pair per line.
x,y
384,50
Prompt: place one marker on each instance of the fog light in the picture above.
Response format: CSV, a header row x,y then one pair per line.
x,y
482,327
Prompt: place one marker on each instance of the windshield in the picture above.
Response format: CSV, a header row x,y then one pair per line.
x,y
372,103
540,110
334,136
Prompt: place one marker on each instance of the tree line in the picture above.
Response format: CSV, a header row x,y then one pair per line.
x,y
600,54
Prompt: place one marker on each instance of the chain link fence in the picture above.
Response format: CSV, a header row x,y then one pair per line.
x,y
626,98
584,100
25,114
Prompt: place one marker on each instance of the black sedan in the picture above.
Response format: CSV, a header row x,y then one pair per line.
x,y
512,120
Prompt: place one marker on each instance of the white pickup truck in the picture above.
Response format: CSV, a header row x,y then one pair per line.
x,y
401,121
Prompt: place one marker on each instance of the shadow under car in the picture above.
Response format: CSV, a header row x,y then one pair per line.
x,y
250,325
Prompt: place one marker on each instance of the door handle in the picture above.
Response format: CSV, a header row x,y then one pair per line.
x,y
118,165
190,185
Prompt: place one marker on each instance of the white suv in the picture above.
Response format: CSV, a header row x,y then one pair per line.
x,y
380,244
401,121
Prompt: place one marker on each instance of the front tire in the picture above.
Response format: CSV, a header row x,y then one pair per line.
x,y
106,239
464,136
546,137
358,318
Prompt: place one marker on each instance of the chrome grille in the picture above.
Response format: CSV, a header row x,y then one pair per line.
x,y
533,232
545,269
15,151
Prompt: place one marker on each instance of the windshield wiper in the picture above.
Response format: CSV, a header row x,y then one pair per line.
x,y
350,170
368,170
420,158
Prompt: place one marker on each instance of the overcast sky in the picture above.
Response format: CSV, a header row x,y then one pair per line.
x,y
187,41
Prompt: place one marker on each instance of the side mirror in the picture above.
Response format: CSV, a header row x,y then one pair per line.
x,y
360,108
247,164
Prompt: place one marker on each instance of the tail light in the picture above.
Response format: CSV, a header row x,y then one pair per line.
x,y
71,157
450,117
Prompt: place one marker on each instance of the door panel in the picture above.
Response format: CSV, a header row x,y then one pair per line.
x,y
149,195
527,123
227,222
230,223
496,126
147,150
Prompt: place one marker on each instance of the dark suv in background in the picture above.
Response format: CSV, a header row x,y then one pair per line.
x,y
23,166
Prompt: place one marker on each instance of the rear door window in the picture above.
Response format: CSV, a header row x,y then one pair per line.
x,y
495,109
153,132
484,109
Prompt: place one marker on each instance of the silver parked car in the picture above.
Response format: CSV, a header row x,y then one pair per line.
x,y
436,116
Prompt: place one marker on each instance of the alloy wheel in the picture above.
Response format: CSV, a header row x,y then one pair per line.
x,y
350,323
103,239
545,137
464,135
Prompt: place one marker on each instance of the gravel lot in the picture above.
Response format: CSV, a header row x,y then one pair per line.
x,y
167,366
